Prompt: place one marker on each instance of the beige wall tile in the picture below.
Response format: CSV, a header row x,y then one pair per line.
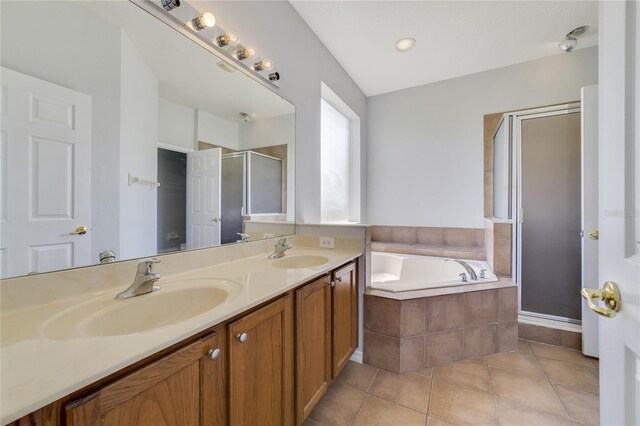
x,y
443,312
540,334
381,351
507,336
502,230
427,251
430,236
478,237
411,354
412,317
381,315
403,234
381,233
508,304
572,340
458,253
458,237
502,256
480,341
480,307
443,347
377,411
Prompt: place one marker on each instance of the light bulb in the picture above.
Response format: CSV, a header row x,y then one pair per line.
x,y
262,65
274,76
568,44
225,39
169,5
206,20
245,53
405,44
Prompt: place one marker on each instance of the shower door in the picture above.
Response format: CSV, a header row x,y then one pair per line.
x,y
549,215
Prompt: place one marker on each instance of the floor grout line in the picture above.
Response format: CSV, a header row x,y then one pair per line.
x,y
366,394
493,394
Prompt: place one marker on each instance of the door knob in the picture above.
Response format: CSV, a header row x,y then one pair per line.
x,y
216,219
214,353
594,235
242,337
609,294
80,230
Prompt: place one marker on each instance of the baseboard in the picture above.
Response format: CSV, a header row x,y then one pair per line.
x,y
356,357
543,322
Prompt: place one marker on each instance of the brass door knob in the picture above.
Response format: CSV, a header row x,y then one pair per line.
x,y
594,235
80,230
609,294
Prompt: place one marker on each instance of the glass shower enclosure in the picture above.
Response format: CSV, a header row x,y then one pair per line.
x,y
252,184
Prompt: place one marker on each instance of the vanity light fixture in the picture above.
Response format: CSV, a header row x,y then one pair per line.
x,y
244,53
225,39
570,41
274,76
206,20
169,5
262,65
405,44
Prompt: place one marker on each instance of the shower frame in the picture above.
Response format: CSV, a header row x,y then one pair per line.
x,y
517,117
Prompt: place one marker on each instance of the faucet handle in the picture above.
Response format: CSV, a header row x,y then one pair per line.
x,y
482,271
463,277
145,266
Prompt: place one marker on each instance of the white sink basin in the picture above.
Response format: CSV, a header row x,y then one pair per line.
x,y
106,316
299,261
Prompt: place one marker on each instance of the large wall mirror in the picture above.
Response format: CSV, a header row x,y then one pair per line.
x,y
120,136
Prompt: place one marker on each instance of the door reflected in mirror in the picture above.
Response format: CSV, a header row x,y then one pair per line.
x,y
115,124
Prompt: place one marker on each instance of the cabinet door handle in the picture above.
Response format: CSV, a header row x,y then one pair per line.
x,y
242,337
214,353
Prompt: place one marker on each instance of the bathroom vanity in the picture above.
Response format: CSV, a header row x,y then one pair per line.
x,y
266,364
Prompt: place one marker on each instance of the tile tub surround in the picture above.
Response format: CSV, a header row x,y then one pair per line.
x,y
37,370
497,241
410,334
460,243
524,387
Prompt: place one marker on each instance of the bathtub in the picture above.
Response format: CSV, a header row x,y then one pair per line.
x,y
406,272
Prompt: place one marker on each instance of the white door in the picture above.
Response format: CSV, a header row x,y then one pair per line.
x,y
589,182
203,198
46,176
619,254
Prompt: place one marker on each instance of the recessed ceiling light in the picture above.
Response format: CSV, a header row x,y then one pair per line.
x,y
405,44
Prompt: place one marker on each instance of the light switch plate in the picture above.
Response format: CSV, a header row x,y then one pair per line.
x,y
326,242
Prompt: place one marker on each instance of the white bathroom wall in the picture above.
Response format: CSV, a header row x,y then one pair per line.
x,y
84,55
425,144
176,124
276,30
216,130
138,153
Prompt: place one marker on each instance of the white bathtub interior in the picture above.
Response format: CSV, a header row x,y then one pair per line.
x,y
405,272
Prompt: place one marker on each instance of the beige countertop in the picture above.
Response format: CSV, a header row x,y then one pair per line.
x,y
43,359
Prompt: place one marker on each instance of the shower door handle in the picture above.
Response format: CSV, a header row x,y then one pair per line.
x,y
609,294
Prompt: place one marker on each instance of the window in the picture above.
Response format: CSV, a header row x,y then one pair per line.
x,y
340,160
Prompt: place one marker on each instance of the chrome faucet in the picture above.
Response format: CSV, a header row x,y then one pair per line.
x,y
280,248
472,273
244,238
144,281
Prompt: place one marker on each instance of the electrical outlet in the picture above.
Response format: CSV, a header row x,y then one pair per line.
x,y
326,242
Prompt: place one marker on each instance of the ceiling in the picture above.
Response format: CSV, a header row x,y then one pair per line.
x,y
454,38
187,74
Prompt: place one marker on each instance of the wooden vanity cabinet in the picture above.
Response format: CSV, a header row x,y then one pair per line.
x,y
261,366
187,387
313,345
345,316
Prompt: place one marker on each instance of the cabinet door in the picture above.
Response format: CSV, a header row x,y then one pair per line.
x,y
313,345
345,316
261,366
166,392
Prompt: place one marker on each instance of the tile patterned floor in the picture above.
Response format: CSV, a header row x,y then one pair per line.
x,y
537,385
